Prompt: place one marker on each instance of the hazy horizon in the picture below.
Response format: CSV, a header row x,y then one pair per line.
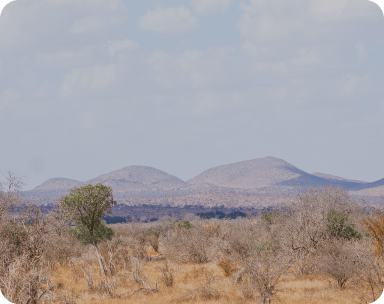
x,y
89,87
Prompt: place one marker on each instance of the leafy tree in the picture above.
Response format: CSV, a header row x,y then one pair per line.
x,y
85,207
340,227
100,232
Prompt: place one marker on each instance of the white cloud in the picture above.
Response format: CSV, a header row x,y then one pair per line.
x,y
362,52
66,59
328,6
295,22
117,46
210,6
353,84
90,79
44,22
169,20
87,24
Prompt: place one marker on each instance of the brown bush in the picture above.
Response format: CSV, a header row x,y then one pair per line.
x,y
228,266
375,226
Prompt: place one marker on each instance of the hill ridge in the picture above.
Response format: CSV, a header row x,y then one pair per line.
x,y
268,176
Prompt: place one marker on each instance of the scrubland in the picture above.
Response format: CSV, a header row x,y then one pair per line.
x,y
321,248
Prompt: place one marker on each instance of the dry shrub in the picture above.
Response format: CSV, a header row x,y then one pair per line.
x,y
65,297
25,274
212,229
137,267
371,274
238,236
167,274
192,275
207,290
340,260
264,268
189,245
228,266
24,281
375,226
302,228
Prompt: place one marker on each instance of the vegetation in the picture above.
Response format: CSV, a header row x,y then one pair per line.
x,y
85,207
320,248
375,227
114,219
340,227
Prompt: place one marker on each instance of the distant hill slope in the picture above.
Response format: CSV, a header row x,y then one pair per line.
x,y
58,183
336,178
249,174
256,181
309,180
375,184
139,178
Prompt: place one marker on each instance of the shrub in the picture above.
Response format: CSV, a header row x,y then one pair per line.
x,y
375,226
182,224
270,217
340,260
265,270
340,227
152,237
228,266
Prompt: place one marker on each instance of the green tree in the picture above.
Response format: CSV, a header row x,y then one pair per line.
x,y
270,217
340,227
85,207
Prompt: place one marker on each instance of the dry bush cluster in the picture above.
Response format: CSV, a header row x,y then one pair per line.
x,y
321,240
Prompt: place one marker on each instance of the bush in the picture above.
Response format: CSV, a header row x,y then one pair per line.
x,y
375,227
340,227
152,237
228,266
270,217
182,224
340,260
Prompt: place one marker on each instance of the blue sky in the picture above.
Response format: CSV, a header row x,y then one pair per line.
x,y
91,86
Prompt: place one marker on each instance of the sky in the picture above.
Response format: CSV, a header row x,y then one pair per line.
x,y
92,86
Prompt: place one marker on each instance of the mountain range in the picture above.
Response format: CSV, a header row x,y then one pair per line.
x,y
262,181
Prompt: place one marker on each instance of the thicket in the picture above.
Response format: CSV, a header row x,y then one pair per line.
x,y
318,233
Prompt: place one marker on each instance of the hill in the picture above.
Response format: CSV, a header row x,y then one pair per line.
x,y
336,178
249,174
58,183
258,182
139,178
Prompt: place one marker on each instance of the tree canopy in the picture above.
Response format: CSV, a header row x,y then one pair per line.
x,y
85,208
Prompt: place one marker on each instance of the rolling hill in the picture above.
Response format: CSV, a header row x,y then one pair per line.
x,y
139,178
256,181
249,174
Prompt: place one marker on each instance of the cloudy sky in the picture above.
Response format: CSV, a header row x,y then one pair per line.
x,y
91,86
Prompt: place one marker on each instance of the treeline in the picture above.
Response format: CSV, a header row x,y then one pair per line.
x,y
204,215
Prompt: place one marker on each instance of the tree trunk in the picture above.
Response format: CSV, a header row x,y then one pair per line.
x,y
100,260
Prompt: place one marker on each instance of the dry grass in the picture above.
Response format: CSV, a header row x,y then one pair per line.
x,y
191,286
